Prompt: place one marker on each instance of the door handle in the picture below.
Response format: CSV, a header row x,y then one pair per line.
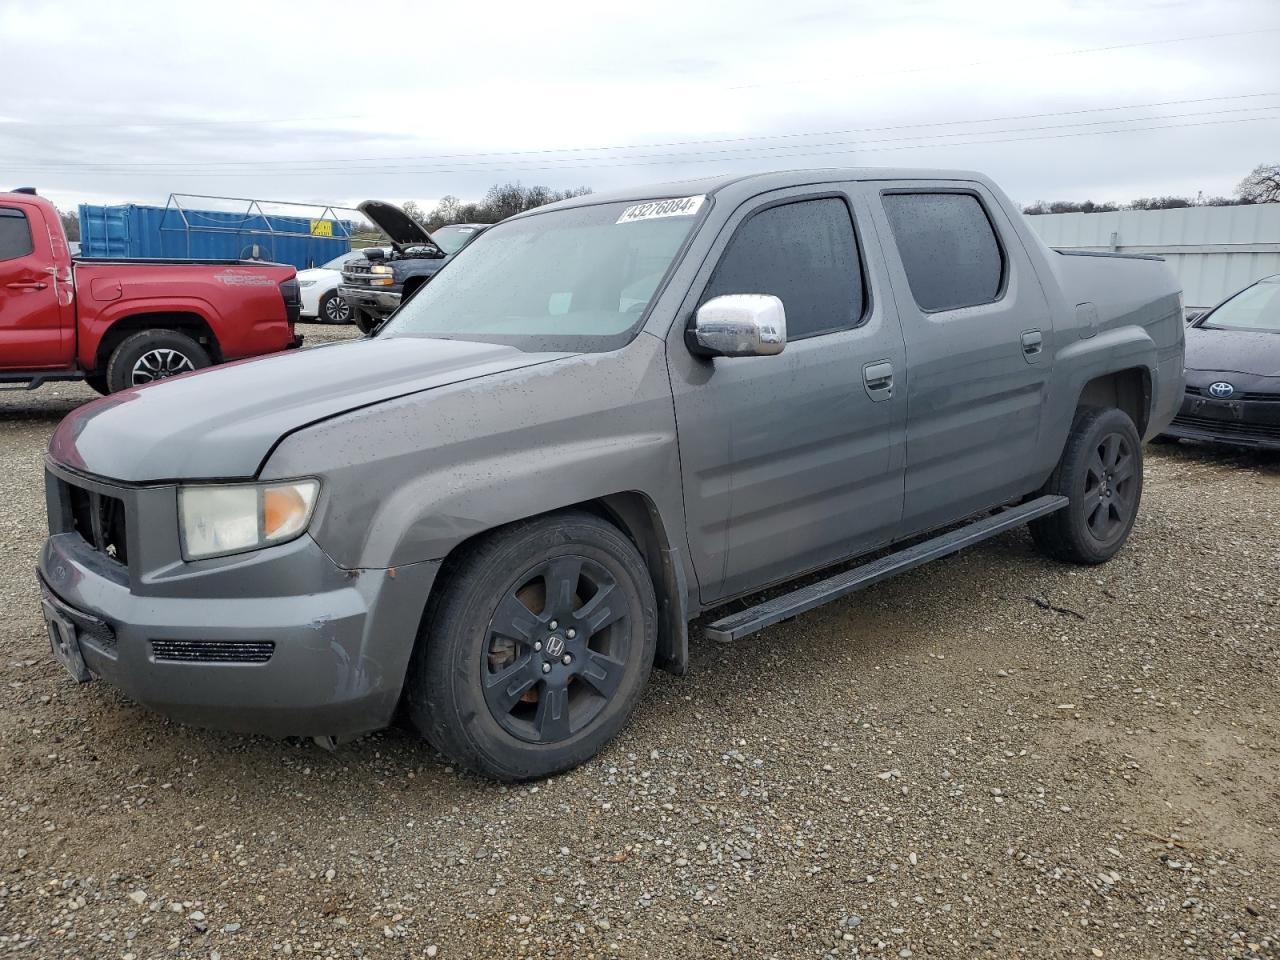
x,y
27,285
878,379
1032,345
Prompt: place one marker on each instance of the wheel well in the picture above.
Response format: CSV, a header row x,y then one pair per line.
x,y
1127,390
192,324
411,286
637,517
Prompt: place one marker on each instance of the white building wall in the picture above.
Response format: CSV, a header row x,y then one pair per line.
x,y
1214,251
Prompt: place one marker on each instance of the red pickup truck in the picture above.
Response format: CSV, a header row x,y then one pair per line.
x,y
121,323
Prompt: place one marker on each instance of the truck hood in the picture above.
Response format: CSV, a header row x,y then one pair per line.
x,y
401,228
1233,351
222,423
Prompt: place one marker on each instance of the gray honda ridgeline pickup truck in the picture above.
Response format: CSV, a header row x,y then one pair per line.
x,y
603,418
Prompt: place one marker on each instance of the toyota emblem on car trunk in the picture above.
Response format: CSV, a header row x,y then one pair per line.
x,y
1221,389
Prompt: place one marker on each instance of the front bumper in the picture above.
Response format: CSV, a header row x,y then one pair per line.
x,y
311,297
381,303
328,647
1251,420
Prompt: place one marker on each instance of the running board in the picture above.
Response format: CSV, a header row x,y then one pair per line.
x,y
739,625
36,379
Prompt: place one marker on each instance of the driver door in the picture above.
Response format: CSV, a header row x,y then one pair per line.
x,y
794,461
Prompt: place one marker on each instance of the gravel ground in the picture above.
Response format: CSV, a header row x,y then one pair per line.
x,y
994,755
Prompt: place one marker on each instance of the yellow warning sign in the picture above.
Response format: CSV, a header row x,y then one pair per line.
x,y
322,228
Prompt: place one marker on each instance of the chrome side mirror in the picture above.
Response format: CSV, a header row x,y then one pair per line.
x,y
739,325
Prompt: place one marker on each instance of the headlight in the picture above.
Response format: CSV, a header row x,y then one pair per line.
x,y
306,283
380,268
217,519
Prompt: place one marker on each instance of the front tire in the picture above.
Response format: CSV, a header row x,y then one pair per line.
x,y
153,355
333,309
1101,474
535,647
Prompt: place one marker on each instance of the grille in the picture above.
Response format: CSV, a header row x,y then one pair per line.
x,y
1251,397
1231,428
213,651
100,520
361,279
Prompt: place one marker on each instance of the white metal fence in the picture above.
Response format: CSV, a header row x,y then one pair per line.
x,y
1214,250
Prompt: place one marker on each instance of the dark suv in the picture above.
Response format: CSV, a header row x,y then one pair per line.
x,y
376,283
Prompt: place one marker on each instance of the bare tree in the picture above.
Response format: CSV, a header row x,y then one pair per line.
x,y
70,224
500,201
415,213
1262,185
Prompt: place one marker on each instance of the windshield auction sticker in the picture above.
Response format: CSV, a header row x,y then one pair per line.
x,y
655,209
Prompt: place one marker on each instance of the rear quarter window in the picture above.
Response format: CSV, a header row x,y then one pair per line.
x,y
948,247
15,234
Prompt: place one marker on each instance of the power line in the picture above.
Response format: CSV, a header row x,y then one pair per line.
x,y
692,159
213,165
728,153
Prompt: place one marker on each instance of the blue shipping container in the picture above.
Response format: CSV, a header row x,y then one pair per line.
x,y
135,231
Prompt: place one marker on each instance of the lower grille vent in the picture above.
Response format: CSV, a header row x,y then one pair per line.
x,y
213,651
1230,428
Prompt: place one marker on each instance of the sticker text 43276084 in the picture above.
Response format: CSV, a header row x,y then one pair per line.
x,y
653,209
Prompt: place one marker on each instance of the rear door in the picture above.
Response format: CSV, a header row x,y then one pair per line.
x,y
30,321
979,347
792,461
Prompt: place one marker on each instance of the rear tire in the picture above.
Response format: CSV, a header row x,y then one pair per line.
x,y
153,355
535,647
1101,473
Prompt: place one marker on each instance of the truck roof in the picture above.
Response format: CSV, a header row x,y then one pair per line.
x,y
31,198
733,185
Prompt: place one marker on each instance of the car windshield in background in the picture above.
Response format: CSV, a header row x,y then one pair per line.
x,y
453,239
1253,308
337,262
577,279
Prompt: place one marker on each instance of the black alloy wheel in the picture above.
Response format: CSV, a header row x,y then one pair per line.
x,y
1100,474
537,641
1109,488
556,649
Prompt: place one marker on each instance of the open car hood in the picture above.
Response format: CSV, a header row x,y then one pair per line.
x,y
403,230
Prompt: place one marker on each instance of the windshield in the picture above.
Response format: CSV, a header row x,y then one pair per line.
x,y
577,279
337,262
1253,308
453,239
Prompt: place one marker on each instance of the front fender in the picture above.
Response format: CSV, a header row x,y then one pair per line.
x,y
411,478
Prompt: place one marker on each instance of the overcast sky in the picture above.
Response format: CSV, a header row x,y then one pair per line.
x,y
425,99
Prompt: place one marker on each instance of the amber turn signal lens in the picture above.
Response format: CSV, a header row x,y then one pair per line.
x,y
283,511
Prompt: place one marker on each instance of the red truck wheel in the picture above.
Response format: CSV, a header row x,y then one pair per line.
x,y
153,355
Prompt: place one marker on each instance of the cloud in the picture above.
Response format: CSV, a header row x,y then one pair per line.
x,y
266,101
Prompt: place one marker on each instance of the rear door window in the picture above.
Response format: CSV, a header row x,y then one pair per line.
x,y
15,234
948,247
805,254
